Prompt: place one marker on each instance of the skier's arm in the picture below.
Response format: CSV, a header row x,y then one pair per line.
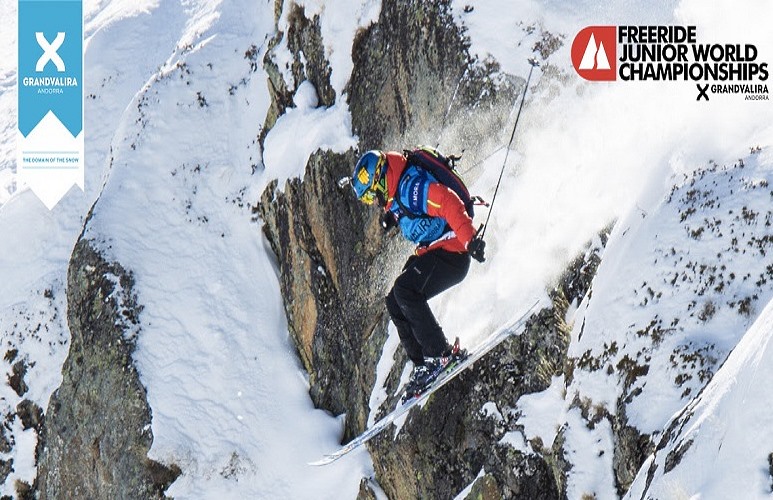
x,y
444,202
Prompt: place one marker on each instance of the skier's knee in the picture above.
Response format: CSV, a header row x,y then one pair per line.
x,y
392,305
404,295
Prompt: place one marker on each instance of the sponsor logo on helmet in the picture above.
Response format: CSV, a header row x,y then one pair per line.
x,y
363,176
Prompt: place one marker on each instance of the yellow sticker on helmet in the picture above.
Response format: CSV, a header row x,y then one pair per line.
x,y
364,177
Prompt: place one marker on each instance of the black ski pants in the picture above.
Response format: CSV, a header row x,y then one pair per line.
x,y
422,278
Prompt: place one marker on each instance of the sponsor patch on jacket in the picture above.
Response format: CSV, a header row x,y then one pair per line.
x,y
416,196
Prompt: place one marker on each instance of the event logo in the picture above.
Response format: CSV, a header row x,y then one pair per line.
x,y
49,140
670,53
593,53
49,52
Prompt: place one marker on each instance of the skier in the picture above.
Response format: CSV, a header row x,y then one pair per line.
x,y
433,216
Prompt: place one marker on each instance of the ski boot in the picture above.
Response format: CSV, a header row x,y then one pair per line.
x,y
424,375
453,355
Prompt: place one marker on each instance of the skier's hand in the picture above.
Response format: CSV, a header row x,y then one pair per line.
x,y
476,248
388,220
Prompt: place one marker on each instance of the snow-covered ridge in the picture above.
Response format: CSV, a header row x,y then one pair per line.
x,y
724,433
678,287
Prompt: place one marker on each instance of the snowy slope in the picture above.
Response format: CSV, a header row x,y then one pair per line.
x,y
677,288
8,12
173,112
36,243
722,441
229,400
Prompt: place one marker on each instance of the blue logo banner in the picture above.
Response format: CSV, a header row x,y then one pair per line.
x,y
50,76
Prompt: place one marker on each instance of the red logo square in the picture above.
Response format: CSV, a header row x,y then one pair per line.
x,y
594,53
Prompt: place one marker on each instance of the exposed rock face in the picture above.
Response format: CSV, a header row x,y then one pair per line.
x,y
304,39
413,80
96,436
335,263
404,66
458,433
332,269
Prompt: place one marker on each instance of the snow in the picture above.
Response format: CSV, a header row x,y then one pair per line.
x,y
8,96
587,449
725,457
379,394
507,30
517,441
286,152
339,22
655,317
535,408
34,324
463,494
490,410
173,110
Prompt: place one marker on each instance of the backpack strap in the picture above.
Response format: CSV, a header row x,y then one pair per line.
x,y
404,210
443,170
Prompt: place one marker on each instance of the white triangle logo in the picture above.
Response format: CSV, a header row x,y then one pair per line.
x,y
594,57
589,57
602,62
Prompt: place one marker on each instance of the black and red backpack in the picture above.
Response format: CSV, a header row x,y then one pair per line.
x,y
442,168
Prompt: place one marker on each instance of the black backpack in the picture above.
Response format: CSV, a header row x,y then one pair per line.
x,y
442,168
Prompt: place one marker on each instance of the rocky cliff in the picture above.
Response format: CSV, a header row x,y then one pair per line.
x,y
334,267
96,436
413,81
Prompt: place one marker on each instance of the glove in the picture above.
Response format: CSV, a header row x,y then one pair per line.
x,y
476,248
388,220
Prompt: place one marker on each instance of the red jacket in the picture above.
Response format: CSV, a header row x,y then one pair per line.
x,y
441,202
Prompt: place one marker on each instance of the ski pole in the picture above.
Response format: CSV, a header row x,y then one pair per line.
x,y
346,181
450,105
533,61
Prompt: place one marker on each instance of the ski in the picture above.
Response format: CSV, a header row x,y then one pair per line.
x,y
443,378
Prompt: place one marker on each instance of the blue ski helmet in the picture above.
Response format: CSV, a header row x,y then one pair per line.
x,y
369,177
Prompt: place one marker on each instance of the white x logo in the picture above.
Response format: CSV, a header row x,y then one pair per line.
x,y
49,51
